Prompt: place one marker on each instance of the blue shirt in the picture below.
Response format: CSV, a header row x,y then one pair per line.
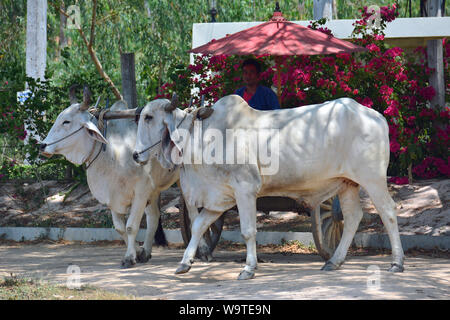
x,y
263,99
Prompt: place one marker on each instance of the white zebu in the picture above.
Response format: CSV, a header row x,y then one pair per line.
x,y
324,149
113,178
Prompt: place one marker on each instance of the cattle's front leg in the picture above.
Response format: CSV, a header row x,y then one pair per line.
x,y
199,227
132,228
152,214
246,204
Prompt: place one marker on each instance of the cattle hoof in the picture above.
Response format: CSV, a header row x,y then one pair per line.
x,y
395,267
206,257
329,266
246,275
204,254
143,257
183,268
128,263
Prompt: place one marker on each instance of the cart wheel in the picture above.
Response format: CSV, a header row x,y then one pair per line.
x,y
212,235
327,227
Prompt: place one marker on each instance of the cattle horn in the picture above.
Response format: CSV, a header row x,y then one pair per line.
x,y
86,99
173,104
204,112
202,101
72,94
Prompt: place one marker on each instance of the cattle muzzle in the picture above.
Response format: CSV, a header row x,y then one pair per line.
x,y
136,158
42,147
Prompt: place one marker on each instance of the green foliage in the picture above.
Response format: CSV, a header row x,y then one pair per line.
x,y
158,32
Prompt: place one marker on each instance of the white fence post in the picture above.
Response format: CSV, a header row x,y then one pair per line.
x,y
436,56
36,51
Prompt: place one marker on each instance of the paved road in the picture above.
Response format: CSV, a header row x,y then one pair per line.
x,y
296,276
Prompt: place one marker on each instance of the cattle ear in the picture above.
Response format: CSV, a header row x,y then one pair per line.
x,y
173,131
170,143
94,133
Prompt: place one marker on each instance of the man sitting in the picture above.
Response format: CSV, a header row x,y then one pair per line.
x,y
257,96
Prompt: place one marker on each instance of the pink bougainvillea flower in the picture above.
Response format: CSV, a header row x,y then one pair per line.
x,y
367,102
391,111
427,93
386,90
411,120
393,52
373,47
398,180
394,146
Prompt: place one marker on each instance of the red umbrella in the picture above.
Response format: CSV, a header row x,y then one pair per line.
x,y
278,37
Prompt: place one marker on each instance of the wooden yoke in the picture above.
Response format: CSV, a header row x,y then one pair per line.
x,y
112,115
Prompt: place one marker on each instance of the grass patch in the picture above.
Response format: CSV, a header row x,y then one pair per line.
x,y
15,287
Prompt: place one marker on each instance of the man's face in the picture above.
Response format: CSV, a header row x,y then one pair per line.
x,y
250,75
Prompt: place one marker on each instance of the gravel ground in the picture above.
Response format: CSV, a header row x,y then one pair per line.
x,y
281,275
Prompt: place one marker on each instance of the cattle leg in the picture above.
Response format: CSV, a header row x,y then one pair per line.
x,y
386,208
246,204
204,252
199,227
119,225
351,209
134,220
152,214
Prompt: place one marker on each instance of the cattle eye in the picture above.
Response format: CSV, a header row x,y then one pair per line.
x,y
148,117
66,122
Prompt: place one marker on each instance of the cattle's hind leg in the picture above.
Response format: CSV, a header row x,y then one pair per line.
x,y
351,209
199,227
246,204
152,214
386,208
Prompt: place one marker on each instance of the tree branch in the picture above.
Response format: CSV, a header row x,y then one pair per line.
x,y
94,13
91,51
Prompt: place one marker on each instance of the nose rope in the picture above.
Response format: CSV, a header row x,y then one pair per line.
x,y
69,135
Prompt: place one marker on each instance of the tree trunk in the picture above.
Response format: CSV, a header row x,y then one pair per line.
x,y
335,12
434,8
62,43
323,9
128,79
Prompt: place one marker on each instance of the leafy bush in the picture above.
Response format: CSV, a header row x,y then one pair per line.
x,y
20,153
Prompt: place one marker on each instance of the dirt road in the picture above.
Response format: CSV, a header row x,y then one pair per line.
x,y
295,276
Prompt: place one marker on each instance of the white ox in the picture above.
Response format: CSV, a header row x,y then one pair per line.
x,y
324,149
113,178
